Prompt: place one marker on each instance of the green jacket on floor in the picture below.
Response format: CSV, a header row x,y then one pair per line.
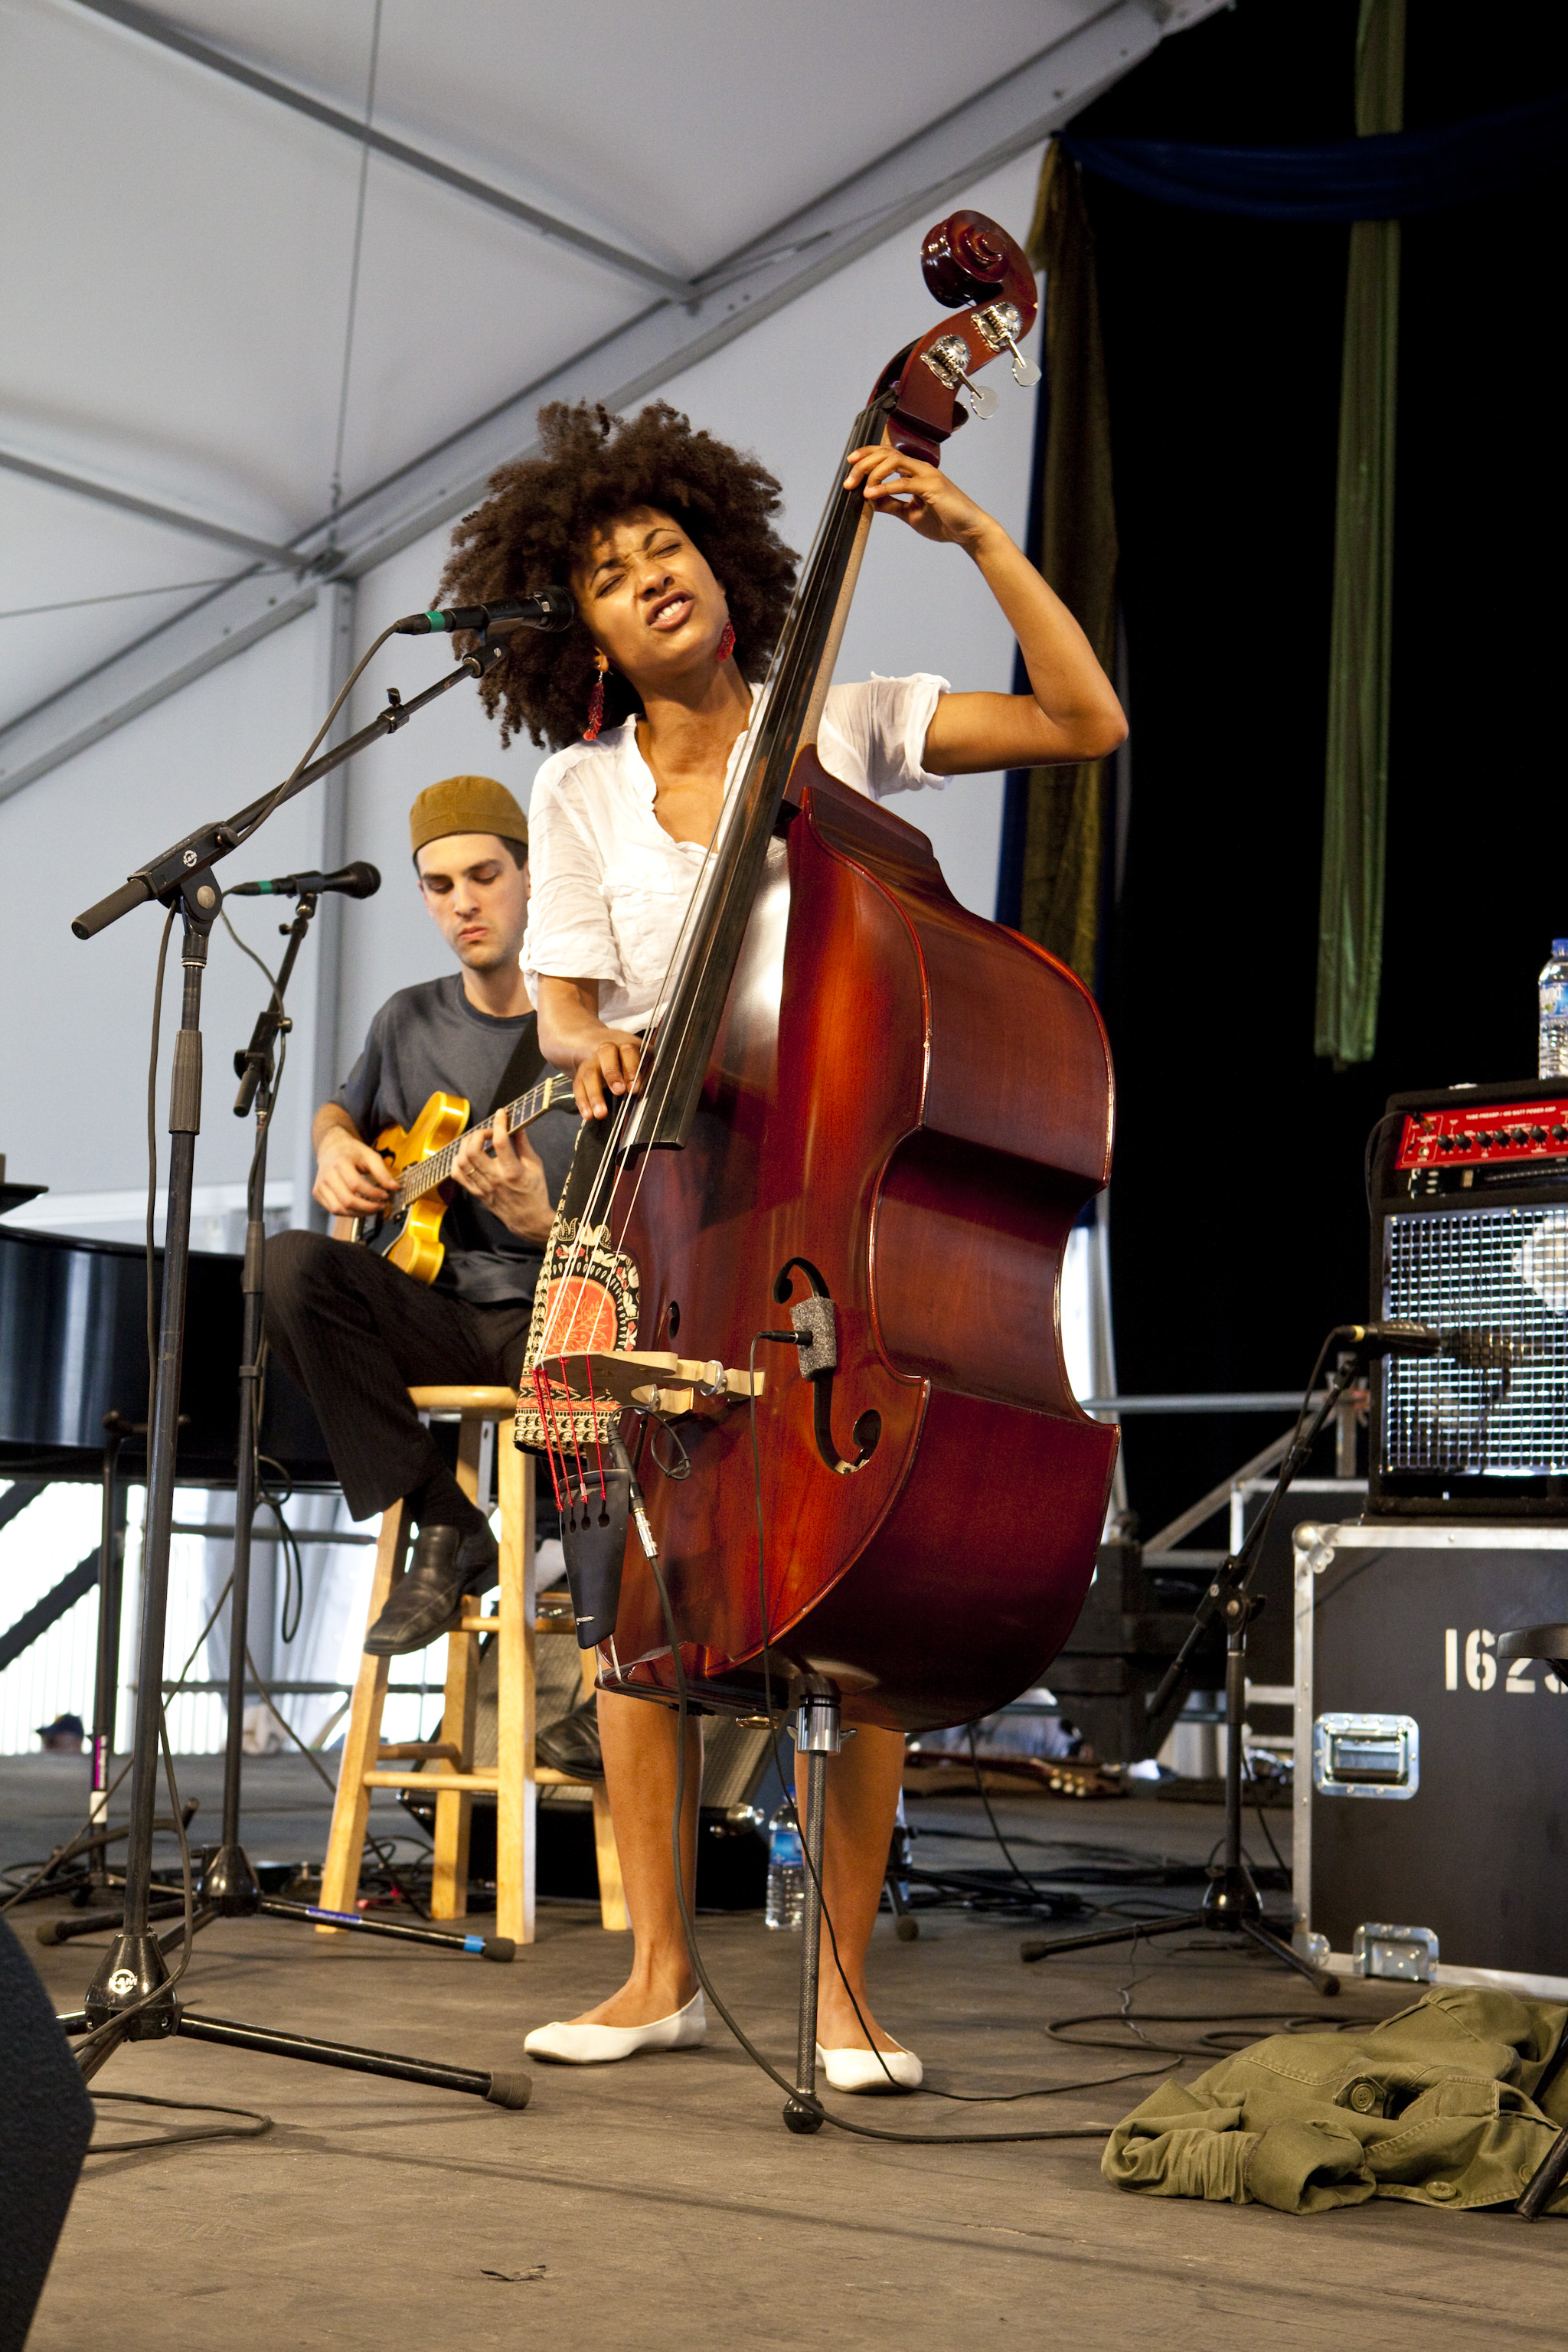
x,y
1435,2105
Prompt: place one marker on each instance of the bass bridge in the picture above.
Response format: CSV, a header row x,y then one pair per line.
x,y
651,1381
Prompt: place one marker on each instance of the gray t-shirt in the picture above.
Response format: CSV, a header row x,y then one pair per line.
x,y
428,1040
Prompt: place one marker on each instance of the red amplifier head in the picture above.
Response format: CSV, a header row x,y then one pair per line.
x,y
1482,1134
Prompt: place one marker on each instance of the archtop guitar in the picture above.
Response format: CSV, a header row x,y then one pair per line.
x,y
422,1158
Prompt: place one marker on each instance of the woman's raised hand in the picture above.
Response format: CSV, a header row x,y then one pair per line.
x,y
921,495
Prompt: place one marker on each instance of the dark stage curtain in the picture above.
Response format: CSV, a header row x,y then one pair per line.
x,y
1241,1227
1056,825
1384,178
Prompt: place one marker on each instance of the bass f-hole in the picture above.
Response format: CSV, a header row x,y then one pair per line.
x,y
814,1319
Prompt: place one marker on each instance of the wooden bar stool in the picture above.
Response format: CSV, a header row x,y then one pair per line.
x,y
369,1763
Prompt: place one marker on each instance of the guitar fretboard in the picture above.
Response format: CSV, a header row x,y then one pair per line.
x,y
428,1173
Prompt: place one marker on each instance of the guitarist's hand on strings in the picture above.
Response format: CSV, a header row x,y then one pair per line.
x,y
505,1175
351,1180
603,1062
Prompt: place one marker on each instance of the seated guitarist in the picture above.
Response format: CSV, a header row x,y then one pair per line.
x,y
356,1332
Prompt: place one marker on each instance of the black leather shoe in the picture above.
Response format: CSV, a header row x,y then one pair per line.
x,y
572,1744
444,1566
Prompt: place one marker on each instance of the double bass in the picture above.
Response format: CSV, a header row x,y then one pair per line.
x,y
859,1100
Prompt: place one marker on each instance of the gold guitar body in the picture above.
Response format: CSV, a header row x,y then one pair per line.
x,y
421,1201
419,1249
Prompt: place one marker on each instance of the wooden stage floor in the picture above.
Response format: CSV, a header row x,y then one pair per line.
x,y
662,2204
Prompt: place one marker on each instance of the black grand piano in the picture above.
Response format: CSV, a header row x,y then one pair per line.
x,y
73,1349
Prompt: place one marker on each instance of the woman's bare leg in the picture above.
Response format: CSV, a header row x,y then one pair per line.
x,y
863,1783
637,1739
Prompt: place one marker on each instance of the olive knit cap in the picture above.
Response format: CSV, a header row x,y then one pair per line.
x,y
465,804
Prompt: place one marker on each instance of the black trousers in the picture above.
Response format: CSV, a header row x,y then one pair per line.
x,y
357,1334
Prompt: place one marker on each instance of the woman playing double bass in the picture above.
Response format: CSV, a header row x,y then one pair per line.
x,y
666,538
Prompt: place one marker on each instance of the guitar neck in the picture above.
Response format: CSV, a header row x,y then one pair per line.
x,y
437,1168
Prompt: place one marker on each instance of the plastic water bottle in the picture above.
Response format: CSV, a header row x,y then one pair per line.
x,y
1554,1058
786,1871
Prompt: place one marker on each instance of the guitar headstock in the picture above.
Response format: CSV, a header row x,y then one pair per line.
x,y
971,265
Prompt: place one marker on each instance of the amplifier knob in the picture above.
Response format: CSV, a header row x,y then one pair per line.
x,y
1538,1135
1560,1135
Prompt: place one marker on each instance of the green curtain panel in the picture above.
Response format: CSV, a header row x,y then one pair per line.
x,y
1065,811
1355,786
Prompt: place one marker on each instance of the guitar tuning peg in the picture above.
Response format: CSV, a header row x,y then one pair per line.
x,y
1025,371
983,402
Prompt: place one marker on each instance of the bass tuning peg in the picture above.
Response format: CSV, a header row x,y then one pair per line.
x,y
948,360
999,323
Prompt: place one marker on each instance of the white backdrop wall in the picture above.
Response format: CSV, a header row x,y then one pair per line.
x,y
76,1023
78,1014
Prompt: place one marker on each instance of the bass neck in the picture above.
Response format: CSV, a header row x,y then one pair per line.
x,y
437,1169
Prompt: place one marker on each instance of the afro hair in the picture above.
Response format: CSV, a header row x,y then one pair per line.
x,y
541,519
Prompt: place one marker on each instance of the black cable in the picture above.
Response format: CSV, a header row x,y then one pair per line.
x,y
1257,1788
293,1559
1022,1875
246,949
1209,2045
257,2123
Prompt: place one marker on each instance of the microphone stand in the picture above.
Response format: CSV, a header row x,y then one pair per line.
x,y
1232,1903
229,1885
132,1997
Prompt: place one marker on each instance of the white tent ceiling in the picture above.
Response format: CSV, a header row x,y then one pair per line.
x,y
638,185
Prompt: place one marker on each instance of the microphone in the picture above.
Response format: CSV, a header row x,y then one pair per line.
x,y
1480,1348
360,880
1393,1338
1484,1349
551,609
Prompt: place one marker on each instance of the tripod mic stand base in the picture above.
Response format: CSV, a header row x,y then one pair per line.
x,y
132,1969
799,2117
509,2086
228,1884
1231,1899
1320,1980
1045,1948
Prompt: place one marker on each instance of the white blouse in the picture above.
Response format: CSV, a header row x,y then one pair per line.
x,y
611,888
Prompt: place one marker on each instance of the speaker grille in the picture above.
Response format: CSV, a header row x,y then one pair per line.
x,y
1498,1279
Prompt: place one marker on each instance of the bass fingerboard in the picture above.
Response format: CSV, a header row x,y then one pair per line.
x,y
437,1168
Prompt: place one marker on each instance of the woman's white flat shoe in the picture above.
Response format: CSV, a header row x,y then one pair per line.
x,y
600,2045
871,2070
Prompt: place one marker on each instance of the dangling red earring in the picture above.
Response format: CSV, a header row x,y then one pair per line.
x,y
596,702
726,642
